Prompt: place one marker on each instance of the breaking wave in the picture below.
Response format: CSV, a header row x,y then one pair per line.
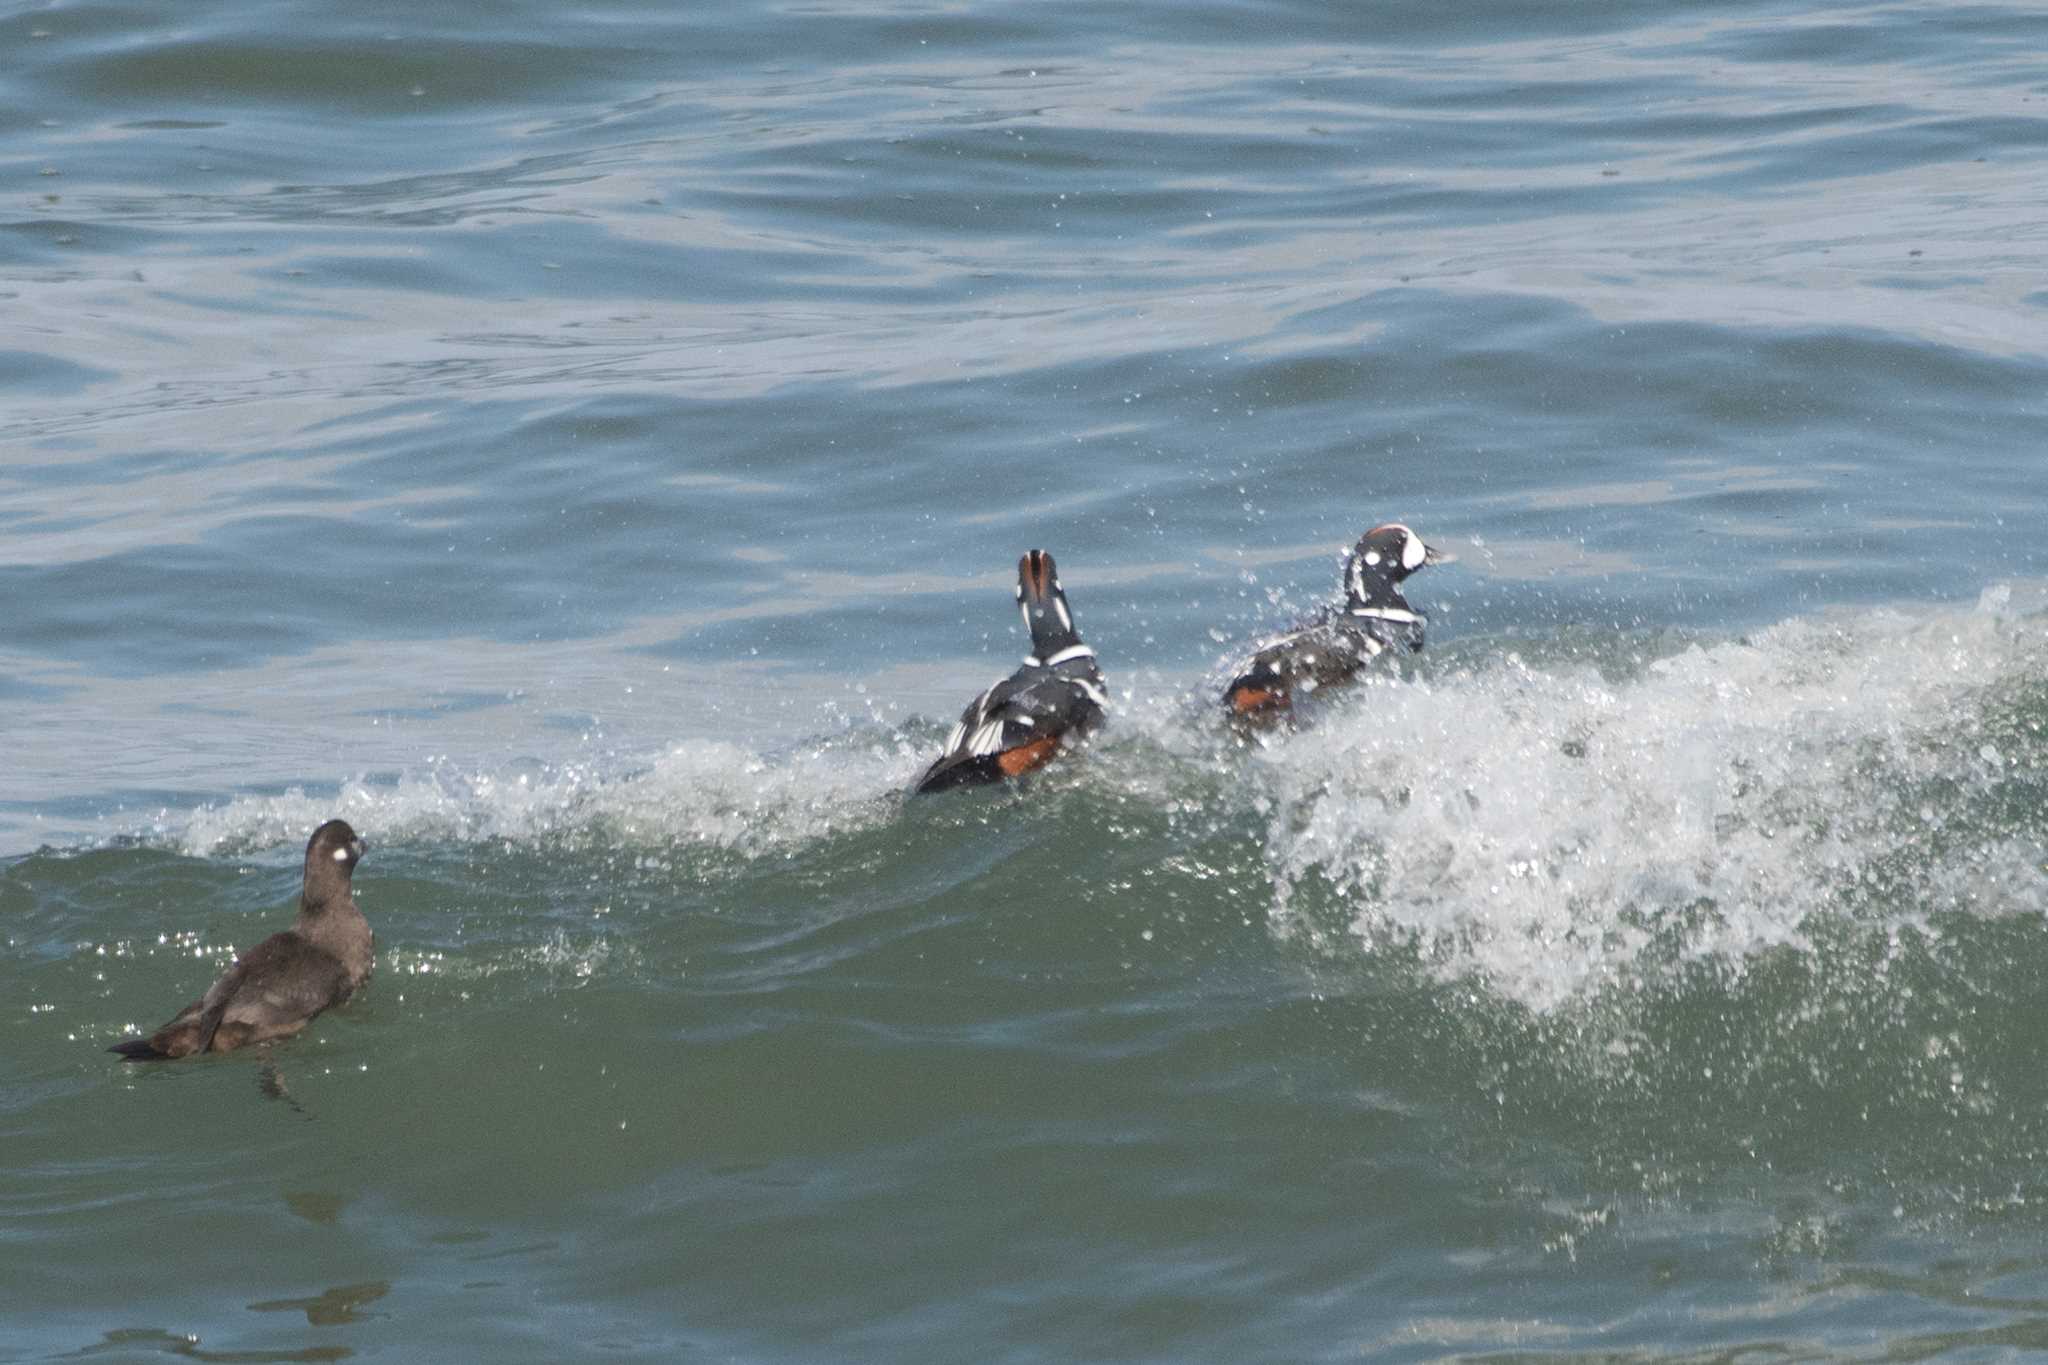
x,y
1551,816
1554,818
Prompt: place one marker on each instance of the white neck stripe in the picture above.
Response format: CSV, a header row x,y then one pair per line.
x,y
1066,655
1394,614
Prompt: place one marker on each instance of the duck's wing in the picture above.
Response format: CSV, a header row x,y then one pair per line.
x,y
1321,654
270,991
278,988
1016,725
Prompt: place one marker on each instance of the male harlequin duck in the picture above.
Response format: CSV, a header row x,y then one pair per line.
x,y
281,983
1021,722
1330,649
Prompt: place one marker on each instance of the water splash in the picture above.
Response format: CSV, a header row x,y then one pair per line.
x,y
705,793
1555,826
1554,818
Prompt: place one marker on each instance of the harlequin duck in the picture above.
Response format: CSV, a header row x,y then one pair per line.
x,y
1021,722
281,983
1331,648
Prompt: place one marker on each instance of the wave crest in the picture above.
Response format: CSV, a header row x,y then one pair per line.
x,y
1548,825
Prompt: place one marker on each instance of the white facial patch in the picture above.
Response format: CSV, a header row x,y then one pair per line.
x,y
1372,557
1413,551
341,854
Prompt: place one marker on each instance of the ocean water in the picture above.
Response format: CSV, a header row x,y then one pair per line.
x,y
588,448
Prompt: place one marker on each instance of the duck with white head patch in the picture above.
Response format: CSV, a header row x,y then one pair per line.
x,y
275,989
1055,698
1330,649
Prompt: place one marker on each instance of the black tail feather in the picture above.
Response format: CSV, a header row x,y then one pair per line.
x,y
139,1050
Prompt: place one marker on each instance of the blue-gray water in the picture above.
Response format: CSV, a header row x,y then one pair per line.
x,y
588,447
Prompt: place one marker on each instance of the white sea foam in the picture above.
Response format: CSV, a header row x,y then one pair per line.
x,y
1536,824
707,792
1549,823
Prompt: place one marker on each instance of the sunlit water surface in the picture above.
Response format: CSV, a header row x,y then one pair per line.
x,y
588,447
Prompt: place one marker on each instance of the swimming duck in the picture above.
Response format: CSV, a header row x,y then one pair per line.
x,y
275,988
1329,650
1054,698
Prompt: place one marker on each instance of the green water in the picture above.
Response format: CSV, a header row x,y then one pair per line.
x,y
587,448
